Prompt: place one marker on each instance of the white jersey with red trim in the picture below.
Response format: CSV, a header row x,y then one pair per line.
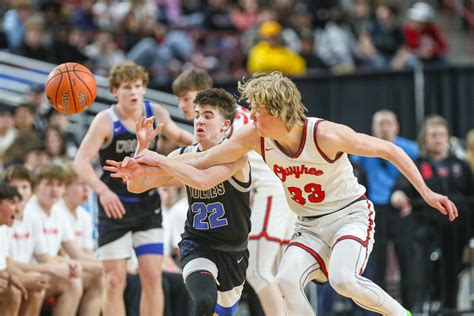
x,y
261,173
314,184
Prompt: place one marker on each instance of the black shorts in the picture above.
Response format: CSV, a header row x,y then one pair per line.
x,y
138,217
231,266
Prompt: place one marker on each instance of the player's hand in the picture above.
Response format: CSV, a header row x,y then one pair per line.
x,y
111,203
3,281
75,269
400,201
128,169
146,132
444,205
36,282
149,158
13,281
59,269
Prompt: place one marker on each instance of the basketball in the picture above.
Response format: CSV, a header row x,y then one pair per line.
x,y
70,88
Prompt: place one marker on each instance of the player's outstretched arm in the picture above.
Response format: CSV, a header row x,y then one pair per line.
x,y
244,140
339,138
201,179
96,136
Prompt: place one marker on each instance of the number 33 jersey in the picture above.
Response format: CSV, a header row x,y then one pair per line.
x,y
314,183
219,218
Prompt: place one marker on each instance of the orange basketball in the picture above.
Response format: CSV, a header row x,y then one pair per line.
x,y
70,88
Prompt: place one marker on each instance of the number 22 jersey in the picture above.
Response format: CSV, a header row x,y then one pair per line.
x,y
219,218
314,183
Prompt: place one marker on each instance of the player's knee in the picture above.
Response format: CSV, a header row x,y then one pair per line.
x,y
286,283
343,282
74,288
205,303
114,282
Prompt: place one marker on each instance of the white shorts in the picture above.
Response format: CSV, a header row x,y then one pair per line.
x,y
272,218
319,236
142,242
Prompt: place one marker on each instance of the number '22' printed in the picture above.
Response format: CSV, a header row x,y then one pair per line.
x,y
208,216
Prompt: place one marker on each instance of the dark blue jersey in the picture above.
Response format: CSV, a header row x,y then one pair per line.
x,y
123,143
219,218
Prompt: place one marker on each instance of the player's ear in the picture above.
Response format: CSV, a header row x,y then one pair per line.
x,y
225,125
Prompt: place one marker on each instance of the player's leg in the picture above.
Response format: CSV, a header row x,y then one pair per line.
x,y
352,243
91,302
303,261
271,219
32,306
200,276
345,267
10,301
114,257
68,293
148,247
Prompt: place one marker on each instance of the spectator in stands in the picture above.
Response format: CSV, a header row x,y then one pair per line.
x,y
14,21
75,195
69,46
36,99
8,131
60,121
10,289
162,54
23,118
217,16
32,44
270,54
129,32
382,44
470,149
359,17
451,176
392,225
336,45
246,15
27,244
423,36
54,144
104,53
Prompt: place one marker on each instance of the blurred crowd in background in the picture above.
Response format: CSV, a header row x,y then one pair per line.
x,y
228,38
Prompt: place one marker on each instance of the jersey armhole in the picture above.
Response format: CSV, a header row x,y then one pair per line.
x,y
262,147
315,138
112,117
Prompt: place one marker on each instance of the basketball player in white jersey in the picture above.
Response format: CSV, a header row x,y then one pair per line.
x,y
335,226
272,224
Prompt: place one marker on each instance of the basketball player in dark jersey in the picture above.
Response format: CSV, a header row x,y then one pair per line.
x,y
213,248
126,221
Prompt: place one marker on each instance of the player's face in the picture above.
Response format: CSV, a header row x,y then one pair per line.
x,y
130,94
266,124
385,126
209,125
77,192
186,104
49,191
24,188
8,211
437,140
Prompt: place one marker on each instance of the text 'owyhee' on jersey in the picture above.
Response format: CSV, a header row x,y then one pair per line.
x,y
123,143
314,184
219,218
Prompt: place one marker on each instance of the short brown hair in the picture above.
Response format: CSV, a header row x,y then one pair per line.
x,y
18,172
69,173
191,80
125,73
223,100
50,171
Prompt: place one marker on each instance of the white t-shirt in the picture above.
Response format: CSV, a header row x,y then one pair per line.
x,y
27,238
4,245
56,226
81,225
174,219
